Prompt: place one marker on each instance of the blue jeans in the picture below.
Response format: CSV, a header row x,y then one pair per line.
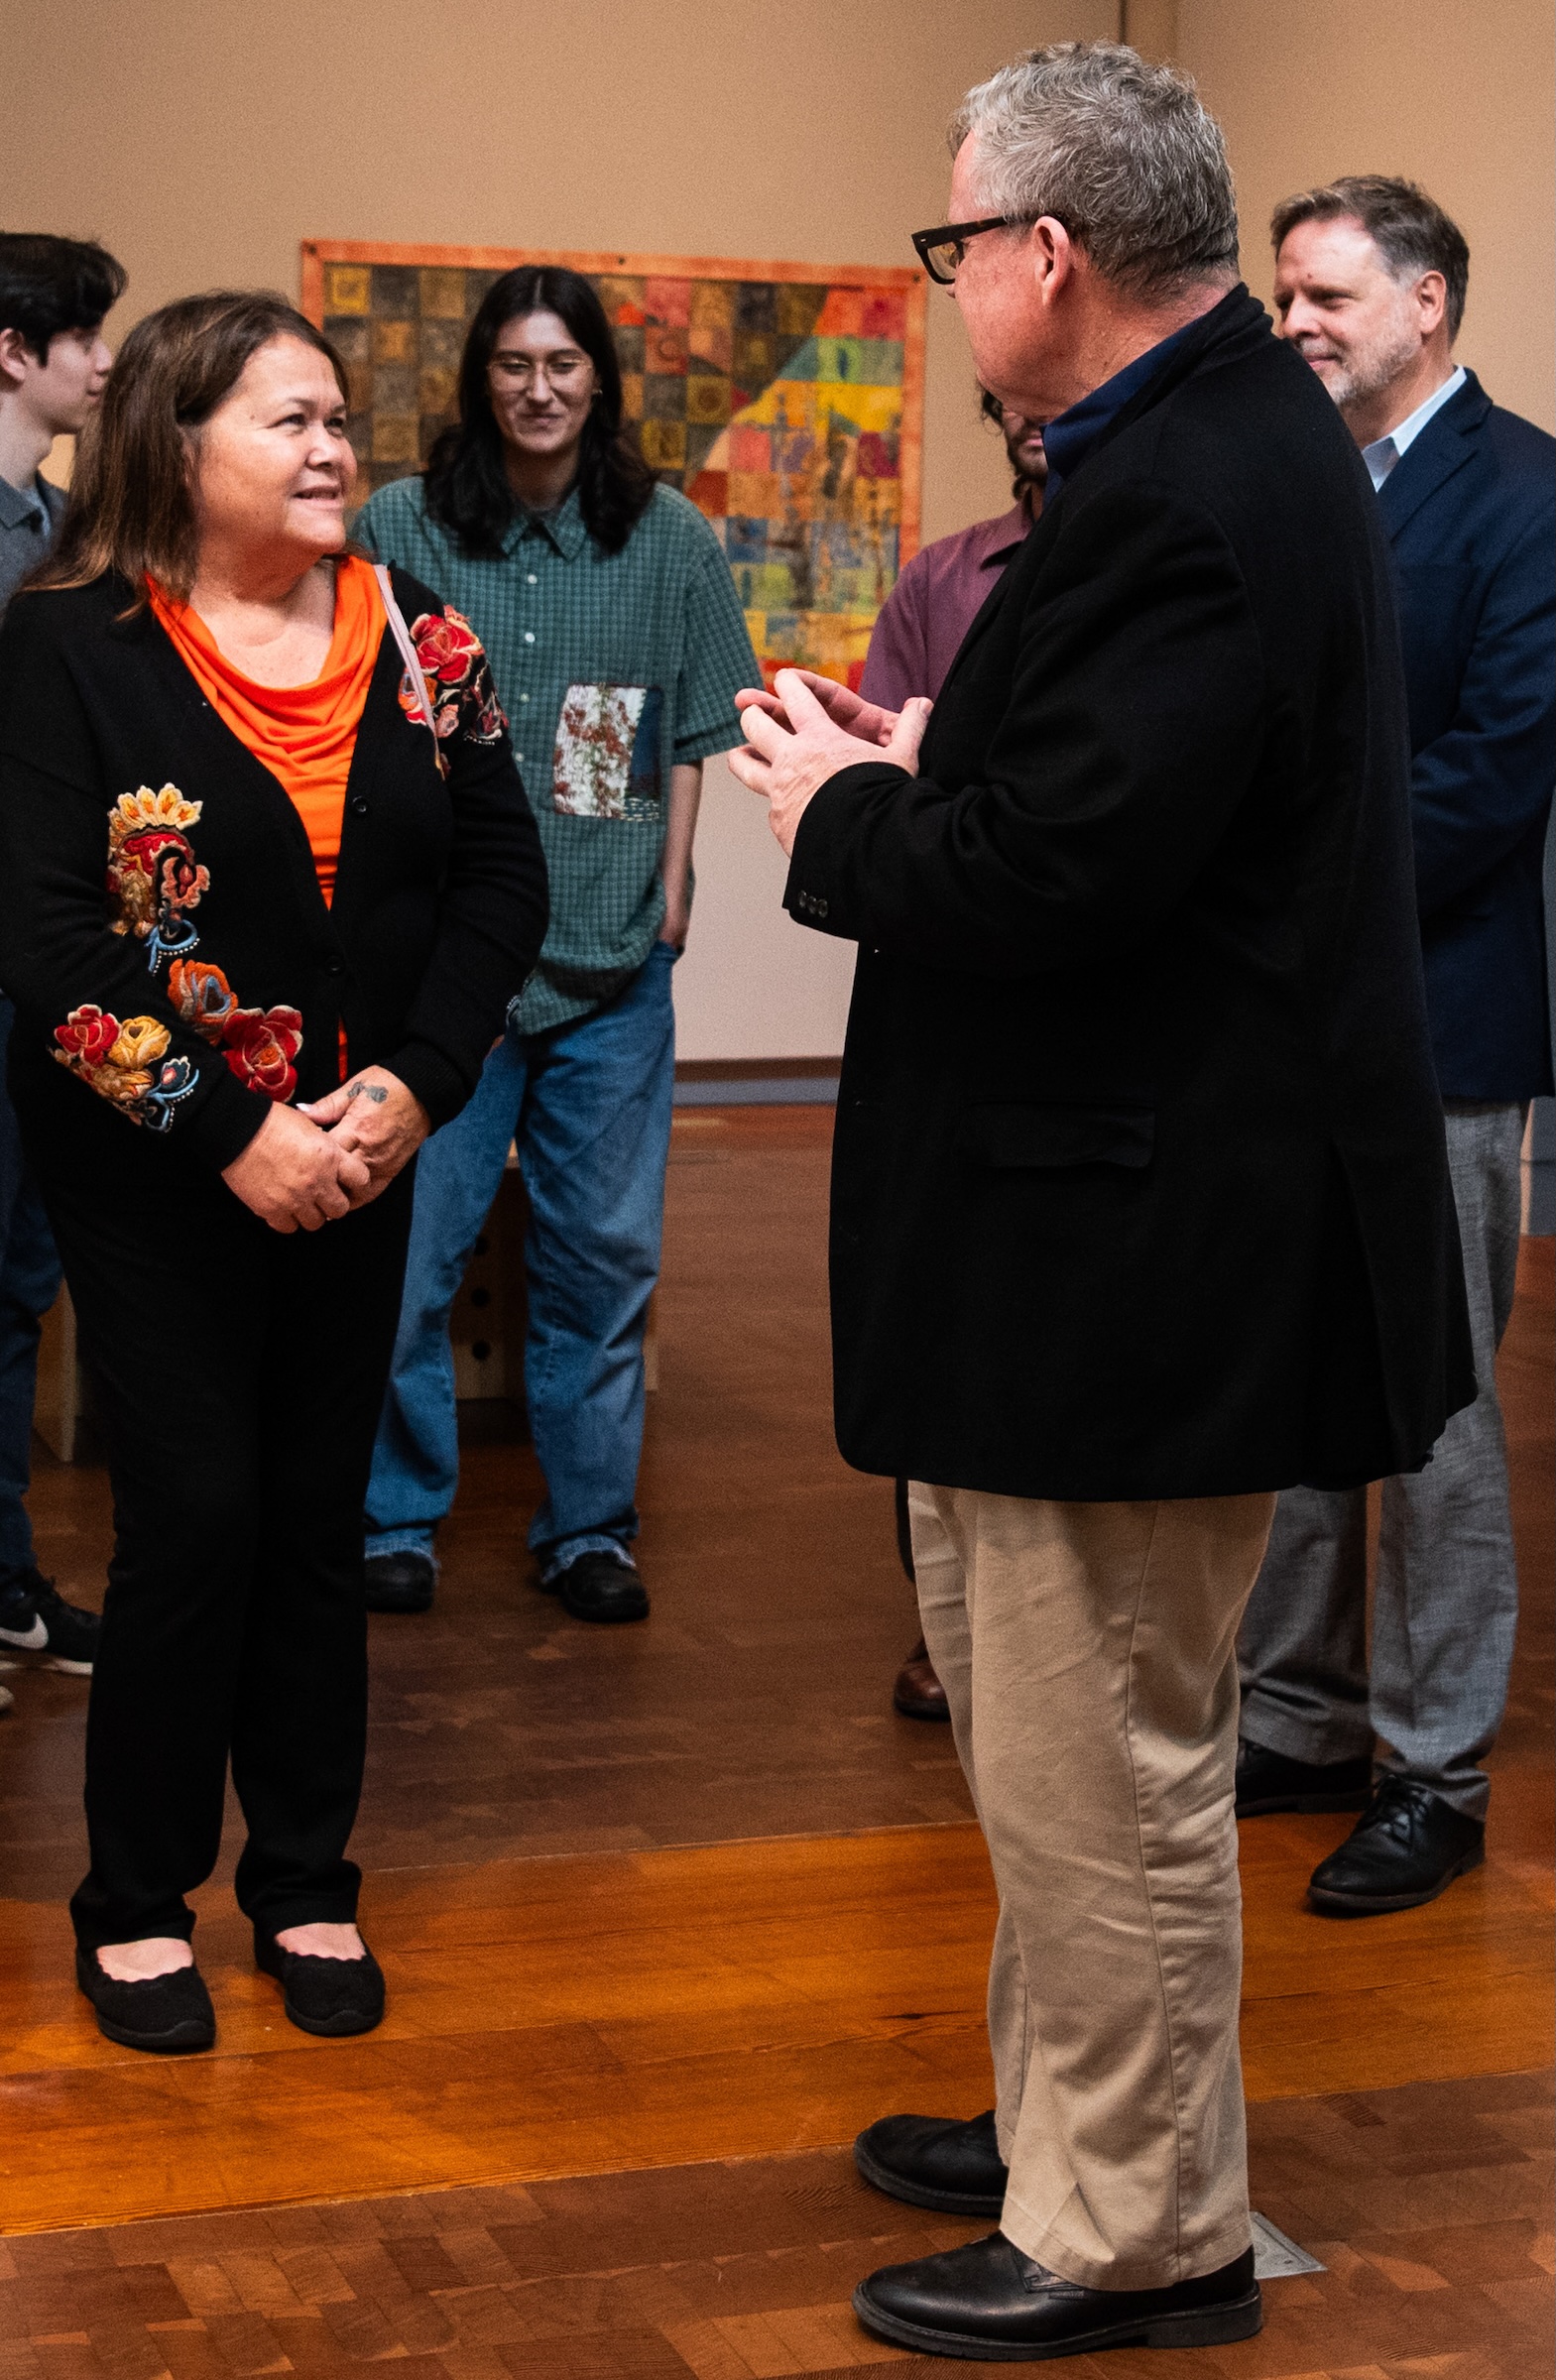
x,y
29,1285
589,1106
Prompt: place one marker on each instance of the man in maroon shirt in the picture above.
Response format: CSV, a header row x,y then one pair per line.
x,y
912,646
941,592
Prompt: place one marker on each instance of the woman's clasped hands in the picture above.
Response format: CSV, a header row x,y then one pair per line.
x,y
308,1165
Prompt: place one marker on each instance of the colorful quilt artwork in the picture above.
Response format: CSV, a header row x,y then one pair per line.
x,y
784,400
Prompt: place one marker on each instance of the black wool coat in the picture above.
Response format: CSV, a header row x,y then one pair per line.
x,y
1139,1186
174,963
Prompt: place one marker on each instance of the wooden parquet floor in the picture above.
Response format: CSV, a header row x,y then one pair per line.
x,y
653,1897
1429,2205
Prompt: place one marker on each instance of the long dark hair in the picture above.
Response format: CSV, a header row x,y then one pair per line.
x,y
132,496
467,487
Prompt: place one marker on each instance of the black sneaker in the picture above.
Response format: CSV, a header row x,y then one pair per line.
x,y
601,1588
403,1582
35,1619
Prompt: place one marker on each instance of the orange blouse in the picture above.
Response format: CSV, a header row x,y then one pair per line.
x,y
303,735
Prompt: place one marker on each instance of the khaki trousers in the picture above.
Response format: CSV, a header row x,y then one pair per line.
x,y
1088,1651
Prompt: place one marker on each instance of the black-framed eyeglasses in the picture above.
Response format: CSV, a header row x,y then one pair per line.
x,y
940,251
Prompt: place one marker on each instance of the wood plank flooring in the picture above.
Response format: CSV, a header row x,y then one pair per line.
x,y
589,1974
1429,2206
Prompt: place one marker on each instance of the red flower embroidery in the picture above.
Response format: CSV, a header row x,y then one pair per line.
x,y
260,1045
447,647
88,1036
455,666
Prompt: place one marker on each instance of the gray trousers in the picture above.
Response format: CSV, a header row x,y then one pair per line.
x,y
1445,1601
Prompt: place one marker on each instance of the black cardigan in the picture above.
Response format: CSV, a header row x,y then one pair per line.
x,y
213,977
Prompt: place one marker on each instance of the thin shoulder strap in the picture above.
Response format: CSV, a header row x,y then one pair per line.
x,y
411,659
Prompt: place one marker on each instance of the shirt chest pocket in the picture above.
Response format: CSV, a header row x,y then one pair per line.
x,y
606,762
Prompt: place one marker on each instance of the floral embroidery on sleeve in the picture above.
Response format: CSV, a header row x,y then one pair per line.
x,y
154,877
260,1045
126,1064
455,664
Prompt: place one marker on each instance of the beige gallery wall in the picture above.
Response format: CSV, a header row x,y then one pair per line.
x,y
203,138
1458,94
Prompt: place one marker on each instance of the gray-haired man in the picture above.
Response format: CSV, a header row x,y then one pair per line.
x,y
1370,277
1136,1004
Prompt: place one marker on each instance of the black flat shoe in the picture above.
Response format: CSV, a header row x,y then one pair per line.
x,y
170,2013
990,2304
1268,1781
400,1582
1407,1848
935,2161
332,1997
599,1588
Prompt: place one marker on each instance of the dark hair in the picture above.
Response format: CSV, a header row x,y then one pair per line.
x,y
1411,231
467,487
131,507
49,285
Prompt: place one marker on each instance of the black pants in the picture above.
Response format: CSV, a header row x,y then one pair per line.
x,y
242,1371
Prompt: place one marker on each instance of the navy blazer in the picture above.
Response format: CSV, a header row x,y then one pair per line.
x,y
1470,510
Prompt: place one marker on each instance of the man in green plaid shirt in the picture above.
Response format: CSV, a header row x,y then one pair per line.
x,y
617,642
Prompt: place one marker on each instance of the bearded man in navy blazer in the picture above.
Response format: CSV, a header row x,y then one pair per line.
x,y
1370,277
1141,1207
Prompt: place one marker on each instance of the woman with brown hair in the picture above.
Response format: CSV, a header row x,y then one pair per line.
x,y
268,882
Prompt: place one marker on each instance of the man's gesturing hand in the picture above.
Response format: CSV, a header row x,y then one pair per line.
x,y
293,1176
797,739
378,1119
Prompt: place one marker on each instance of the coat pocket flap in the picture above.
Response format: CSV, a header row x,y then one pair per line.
x,y
1058,1136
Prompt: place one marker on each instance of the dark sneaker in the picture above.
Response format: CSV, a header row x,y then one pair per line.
x,y
403,1582
1407,1848
170,2013
1267,1781
935,2161
991,2304
601,1588
35,1619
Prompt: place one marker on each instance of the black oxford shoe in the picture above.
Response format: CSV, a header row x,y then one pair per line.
x,y
1407,1848
990,2304
1268,1781
935,2161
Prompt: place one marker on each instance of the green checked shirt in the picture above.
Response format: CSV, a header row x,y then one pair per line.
x,y
612,667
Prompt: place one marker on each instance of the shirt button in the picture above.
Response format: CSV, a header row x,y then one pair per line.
x,y
531,580
524,698
517,756
529,635
359,804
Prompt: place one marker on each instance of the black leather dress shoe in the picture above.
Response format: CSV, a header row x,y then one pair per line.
x,y
990,2304
164,2012
1267,1781
599,1588
917,1692
1407,1848
401,1581
935,2161
332,1996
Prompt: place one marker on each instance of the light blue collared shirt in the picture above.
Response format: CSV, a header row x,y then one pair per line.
x,y
1383,454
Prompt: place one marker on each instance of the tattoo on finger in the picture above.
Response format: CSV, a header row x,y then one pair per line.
x,y
373,1091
